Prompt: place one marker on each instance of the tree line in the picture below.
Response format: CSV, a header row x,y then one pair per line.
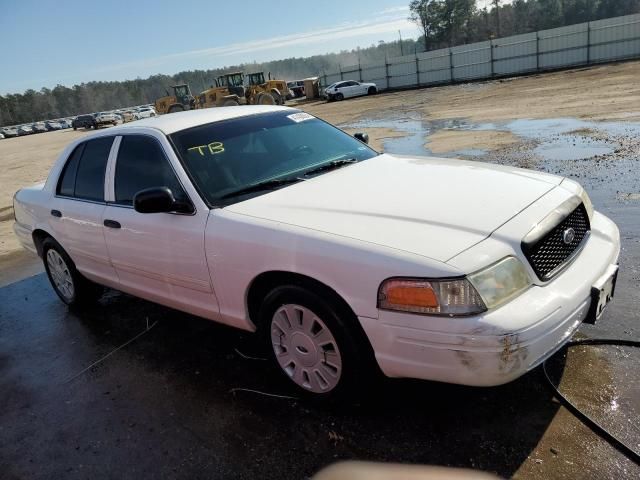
x,y
442,23
446,23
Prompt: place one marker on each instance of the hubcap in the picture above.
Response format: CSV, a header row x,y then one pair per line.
x,y
305,348
60,274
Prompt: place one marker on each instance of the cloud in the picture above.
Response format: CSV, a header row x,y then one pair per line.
x,y
398,9
388,20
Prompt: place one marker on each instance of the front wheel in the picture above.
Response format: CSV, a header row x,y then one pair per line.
x,y
371,91
311,342
69,284
339,97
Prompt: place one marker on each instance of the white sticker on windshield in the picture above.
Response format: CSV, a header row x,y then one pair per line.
x,y
300,117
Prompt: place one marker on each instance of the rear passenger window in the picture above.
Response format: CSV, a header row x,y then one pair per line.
x,y
142,164
67,183
91,170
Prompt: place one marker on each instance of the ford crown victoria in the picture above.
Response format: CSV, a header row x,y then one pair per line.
x,y
344,260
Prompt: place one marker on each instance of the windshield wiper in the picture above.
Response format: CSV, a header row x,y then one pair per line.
x,y
257,187
331,166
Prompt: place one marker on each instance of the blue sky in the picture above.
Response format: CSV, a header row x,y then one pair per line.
x,y
68,41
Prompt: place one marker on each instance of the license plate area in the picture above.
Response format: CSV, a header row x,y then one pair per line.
x,y
602,293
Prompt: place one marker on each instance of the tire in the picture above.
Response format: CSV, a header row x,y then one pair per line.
x,y
265,98
277,97
69,284
173,109
313,343
339,97
75,128
230,102
371,91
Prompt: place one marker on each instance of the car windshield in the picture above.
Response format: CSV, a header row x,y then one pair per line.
x,y
230,156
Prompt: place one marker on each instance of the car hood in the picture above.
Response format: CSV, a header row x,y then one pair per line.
x,y
428,206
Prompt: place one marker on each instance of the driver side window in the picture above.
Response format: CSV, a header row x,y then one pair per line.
x,y
142,164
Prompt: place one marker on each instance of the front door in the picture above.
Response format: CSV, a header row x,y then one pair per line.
x,y
158,256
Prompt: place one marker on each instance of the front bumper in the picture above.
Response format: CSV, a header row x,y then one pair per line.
x,y
500,345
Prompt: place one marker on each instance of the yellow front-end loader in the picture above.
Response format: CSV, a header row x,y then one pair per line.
x,y
180,101
266,92
228,91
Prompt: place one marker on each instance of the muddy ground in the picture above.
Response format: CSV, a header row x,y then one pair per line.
x,y
166,405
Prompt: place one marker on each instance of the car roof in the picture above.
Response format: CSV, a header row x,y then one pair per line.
x,y
174,122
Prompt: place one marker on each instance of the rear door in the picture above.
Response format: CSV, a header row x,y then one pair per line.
x,y
158,256
78,207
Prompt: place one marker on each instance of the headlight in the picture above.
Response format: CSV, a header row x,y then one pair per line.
x,y
584,196
450,297
501,281
472,295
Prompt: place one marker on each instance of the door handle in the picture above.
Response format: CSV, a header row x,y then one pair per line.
x,y
112,224
56,213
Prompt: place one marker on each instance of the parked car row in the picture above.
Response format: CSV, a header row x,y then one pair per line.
x,y
38,127
96,120
90,120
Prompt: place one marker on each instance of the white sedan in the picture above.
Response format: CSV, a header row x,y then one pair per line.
x,y
145,112
349,88
343,259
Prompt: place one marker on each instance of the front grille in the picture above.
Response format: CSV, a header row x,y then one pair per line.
x,y
551,252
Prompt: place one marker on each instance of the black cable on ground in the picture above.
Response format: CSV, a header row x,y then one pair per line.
x,y
583,417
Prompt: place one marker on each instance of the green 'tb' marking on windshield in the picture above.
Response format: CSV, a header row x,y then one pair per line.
x,y
214,148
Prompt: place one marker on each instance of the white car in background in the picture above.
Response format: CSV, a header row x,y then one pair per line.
x,y
106,118
271,220
145,112
349,88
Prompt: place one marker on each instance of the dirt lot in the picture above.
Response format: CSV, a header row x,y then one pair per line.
x,y
166,406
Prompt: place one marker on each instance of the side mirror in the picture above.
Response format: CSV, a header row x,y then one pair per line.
x,y
363,137
159,200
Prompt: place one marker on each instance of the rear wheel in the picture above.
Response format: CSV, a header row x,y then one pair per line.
x,y
310,341
230,102
69,284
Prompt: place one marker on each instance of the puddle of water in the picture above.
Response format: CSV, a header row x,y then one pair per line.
x,y
559,138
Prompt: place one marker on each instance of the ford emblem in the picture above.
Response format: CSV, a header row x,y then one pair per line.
x,y
568,236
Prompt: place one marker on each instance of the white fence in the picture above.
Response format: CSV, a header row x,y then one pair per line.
x,y
583,44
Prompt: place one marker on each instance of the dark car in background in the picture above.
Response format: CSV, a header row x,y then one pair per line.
x,y
84,121
25,130
52,125
39,127
296,88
